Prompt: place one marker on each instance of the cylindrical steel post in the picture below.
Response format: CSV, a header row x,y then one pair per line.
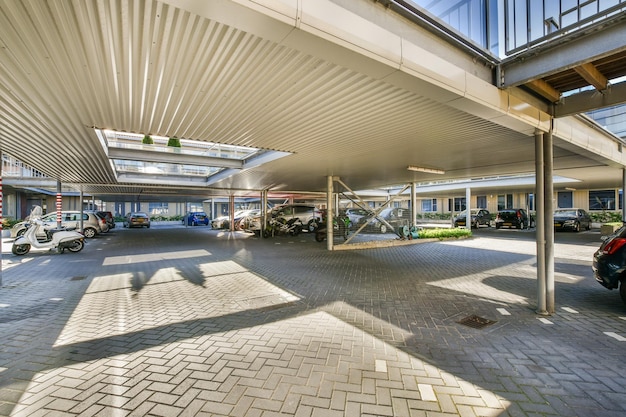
x,y
549,221
541,236
468,206
624,195
329,213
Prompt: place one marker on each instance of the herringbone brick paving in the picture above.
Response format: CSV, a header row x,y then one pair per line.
x,y
176,321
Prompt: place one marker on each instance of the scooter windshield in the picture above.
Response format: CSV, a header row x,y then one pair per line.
x,y
36,213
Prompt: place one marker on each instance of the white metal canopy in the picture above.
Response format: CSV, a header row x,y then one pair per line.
x,y
348,89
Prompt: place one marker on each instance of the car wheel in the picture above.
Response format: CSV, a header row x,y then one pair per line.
x,y
382,228
498,225
89,232
312,226
577,227
622,290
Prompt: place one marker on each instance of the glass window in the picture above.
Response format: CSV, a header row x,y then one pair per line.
x,y
429,205
505,201
158,208
602,200
481,201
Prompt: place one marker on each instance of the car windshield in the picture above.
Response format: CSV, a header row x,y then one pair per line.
x,y
565,213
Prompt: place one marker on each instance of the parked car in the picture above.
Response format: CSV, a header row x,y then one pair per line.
x,y
108,216
355,214
573,219
196,218
396,217
310,216
609,262
69,220
102,222
513,218
137,219
242,221
478,217
223,222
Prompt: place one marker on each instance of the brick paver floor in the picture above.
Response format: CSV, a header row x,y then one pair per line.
x,y
174,321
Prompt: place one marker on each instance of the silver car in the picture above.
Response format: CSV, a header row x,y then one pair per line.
x,y
69,220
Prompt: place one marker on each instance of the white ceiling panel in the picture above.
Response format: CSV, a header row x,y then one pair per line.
x,y
150,68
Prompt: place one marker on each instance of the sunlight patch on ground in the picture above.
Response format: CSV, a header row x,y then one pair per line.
x,y
132,302
293,354
151,257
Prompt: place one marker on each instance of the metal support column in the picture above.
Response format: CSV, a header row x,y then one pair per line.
x,y
81,208
549,220
329,213
541,239
413,204
624,195
1,216
231,212
468,210
263,212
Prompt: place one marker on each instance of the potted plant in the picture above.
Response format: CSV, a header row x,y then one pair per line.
x,y
173,142
147,139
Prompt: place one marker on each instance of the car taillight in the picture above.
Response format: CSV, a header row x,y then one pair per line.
x,y
614,245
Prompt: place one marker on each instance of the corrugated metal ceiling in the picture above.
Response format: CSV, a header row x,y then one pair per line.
x,y
147,67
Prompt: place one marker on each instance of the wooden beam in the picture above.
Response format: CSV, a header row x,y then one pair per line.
x,y
591,74
545,90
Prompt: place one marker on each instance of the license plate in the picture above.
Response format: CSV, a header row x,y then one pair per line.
x,y
557,224
139,220
461,223
508,224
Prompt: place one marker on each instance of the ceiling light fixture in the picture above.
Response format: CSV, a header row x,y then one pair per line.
x,y
427,170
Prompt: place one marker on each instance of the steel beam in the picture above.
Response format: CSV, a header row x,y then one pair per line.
x,y
523,68
591,100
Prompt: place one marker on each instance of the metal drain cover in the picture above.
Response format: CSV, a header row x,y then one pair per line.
x,y
79,278
476,322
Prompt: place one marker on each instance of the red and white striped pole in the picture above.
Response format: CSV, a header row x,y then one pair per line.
x,y
1,163
59,205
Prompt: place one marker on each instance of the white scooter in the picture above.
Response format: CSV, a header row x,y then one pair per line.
x,y
60,239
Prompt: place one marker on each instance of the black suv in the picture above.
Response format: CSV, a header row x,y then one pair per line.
x,y
513,218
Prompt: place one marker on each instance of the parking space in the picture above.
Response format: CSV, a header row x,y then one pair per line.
x,y
192,321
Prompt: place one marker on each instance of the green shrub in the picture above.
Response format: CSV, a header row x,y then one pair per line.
x,y
444,233
9,223
606,216
174,142
147,140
